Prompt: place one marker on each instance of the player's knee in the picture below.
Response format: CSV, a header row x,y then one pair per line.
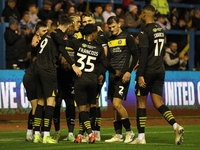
x,y
117,105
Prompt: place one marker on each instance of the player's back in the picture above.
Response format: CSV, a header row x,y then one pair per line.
x,y
47,53
153,37
91,51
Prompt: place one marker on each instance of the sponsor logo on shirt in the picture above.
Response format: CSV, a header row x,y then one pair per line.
x,y
84,45
155,29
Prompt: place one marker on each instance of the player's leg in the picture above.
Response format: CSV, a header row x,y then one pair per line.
x,y
70,111
85,120
49,110
81,100
89,95
30,86
97,121
93,116
117,104
49,87
167,114
38,120
39,109
141,95
141,120
156,95
56,118
70,117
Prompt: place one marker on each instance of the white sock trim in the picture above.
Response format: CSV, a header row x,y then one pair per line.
x,y
46,133
70,134
141,136
175,125
29,131
37,132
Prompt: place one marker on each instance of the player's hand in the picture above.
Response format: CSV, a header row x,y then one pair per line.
x,y
50,31
126,77
100,79
77,70
34,41
141,82
118,73
136,66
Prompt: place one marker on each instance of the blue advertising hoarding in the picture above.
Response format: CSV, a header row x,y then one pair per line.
x,y
181,93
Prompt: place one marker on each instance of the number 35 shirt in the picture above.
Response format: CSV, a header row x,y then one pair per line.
x,y
151,49
86,54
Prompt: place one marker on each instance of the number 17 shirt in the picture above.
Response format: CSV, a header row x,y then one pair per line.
x,y
151,49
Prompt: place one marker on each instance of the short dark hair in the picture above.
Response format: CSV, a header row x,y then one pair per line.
x,y
149,8
25,13
31,5
89,29
87,14
96,6
64,19
40,24
108,4
73,15
112,19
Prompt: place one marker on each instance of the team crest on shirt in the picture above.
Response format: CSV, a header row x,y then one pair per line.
x,y
120,42
65,38
75,36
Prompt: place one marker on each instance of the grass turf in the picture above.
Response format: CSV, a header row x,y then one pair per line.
x,y
157,137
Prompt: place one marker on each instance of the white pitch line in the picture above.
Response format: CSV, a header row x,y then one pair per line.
x,y
170,144
155,132
12,139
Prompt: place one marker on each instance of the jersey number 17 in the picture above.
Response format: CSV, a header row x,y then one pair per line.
x,y
158,47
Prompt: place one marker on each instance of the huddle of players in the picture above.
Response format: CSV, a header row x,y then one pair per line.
x,y
88,55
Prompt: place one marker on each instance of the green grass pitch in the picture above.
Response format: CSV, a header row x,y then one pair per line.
x,y
157,137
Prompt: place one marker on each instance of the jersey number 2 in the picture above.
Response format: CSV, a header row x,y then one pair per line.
x,y
88,62
158,47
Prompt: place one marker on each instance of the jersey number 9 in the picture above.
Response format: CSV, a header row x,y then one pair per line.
x,y
43,44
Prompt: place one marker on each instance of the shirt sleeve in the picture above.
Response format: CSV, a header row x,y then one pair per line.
x,y
102,39
62,44
65,54
143,45
59,40
106,63
133,50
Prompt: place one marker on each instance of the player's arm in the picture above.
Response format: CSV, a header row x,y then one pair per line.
x,y
103,41
69,60
59,40
130,41
143,44
133,50
107,65
66,55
